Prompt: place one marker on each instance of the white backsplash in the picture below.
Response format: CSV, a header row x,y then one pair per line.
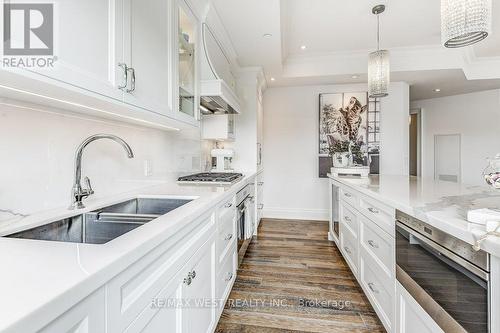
x,y
37,151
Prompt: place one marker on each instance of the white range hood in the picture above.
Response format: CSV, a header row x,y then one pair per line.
x,y
218,83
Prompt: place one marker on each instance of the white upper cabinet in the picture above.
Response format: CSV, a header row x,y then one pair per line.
x,y
147,28
186,56
135,59
89,40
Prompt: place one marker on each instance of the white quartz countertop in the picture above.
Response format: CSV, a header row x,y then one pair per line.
x,y
39,280
443,205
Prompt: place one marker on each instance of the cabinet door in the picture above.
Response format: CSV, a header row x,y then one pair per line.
x,y
86,317
199,291
411,318
89,45
187,61
165,319
147,31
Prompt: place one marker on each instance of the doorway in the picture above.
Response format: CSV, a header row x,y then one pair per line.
x,y
415,142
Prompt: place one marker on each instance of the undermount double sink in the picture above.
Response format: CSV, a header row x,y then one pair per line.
x,y
105,224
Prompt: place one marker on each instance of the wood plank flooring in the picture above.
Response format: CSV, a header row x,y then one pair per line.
x,y
293,280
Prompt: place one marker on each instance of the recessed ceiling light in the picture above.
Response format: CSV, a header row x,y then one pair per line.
x,y
267,35
273,79
303,47
437,90
354,76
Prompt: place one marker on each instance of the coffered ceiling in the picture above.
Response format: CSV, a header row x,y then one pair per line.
x,y
338,35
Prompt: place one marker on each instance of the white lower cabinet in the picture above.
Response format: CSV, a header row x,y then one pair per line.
x,y
88,316
411,318
369,249
198,291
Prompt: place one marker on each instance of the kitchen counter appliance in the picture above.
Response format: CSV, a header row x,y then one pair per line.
x,y
449,280
211,178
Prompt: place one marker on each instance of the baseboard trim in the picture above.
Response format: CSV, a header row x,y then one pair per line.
x,y
296,213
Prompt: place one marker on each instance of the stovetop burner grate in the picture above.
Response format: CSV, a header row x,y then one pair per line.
x,y
212,177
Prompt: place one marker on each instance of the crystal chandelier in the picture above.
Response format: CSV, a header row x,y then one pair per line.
x,y
465,22
378,64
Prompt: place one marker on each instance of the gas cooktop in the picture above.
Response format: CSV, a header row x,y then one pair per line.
x,y
211,178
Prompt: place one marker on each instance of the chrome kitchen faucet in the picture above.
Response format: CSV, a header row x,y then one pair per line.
x,y
78,193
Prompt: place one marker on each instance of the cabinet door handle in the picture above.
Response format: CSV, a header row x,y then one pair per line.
x,y
348,195
228,205
373,210
347,218
192,274
373,244
228,237
371,285
132,80
261,206
188,280
229,277
347,250
124,67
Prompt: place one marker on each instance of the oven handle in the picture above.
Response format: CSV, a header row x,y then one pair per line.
x,y
447,253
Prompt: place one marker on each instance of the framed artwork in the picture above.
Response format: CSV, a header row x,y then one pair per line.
x,y
347,119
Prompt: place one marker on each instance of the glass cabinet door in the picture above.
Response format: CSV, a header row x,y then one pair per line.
x,y
187,65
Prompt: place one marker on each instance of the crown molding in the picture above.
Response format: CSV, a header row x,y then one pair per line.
x,y
403,59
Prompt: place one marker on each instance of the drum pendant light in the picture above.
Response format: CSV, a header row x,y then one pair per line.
x,y
465,22
378,65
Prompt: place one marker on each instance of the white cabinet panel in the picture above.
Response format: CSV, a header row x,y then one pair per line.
x,y
199,291
88,316
411,318
89,43
147,29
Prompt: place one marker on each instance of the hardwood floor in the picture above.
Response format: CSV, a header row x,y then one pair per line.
x,y
292,280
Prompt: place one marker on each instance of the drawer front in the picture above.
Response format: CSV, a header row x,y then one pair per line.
x,y
226,275
349,196
130,292
226,235
349,248
379,213
349,219
379,288
379,244
228,207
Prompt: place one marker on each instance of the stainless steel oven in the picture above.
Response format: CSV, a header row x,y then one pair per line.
x,y
449,280
246,219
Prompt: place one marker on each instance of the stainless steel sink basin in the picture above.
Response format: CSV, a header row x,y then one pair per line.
x,y
105,224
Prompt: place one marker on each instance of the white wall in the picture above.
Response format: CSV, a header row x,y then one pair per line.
x,y
394,130
37,158
475,116
291,125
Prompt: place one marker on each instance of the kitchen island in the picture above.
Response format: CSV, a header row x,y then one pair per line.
x,y
385,227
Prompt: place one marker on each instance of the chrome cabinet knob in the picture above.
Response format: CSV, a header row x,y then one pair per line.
x,y
371,285
188,280
229,277
228,237
192,274
373,210
228,205
347,250
373,244
348,195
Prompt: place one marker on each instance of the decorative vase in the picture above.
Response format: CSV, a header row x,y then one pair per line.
x,y
492,172
341,160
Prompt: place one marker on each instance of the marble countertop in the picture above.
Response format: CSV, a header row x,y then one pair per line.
x,y
42,279
443,205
